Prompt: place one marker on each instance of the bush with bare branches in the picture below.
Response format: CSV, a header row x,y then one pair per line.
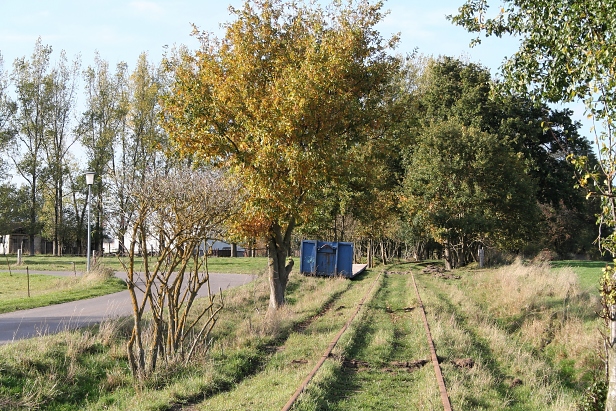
x,y
175,212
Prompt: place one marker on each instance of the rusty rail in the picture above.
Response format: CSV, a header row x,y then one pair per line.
x,y
437,366
329,350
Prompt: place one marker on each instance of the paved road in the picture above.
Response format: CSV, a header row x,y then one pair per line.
x,y
52,319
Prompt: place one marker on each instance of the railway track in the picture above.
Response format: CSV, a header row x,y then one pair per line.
x,y
395,314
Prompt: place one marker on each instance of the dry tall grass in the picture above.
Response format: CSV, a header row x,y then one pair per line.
x,y
528,327
546,308
522,288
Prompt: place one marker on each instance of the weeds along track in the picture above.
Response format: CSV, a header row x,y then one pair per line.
x,y
329,350
485,367
267,352
435,362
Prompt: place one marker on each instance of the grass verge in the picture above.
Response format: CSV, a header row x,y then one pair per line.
x,y
47,290
240,265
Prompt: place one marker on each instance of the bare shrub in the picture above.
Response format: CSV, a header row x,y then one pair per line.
x,y
178,211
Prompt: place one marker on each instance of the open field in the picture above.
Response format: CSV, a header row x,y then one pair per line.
x,y
588,272
518,337
243,265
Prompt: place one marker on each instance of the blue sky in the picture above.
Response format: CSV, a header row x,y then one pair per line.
x,y
121,30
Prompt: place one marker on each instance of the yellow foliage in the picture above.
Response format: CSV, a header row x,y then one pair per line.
x,y
281,99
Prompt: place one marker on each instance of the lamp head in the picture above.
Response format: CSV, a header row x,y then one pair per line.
x,y
89,177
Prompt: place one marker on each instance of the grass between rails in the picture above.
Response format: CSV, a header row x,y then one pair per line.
x,y
47,290
530,331
294,356
383,361
241,265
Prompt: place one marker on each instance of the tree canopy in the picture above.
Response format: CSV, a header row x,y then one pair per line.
x,y
464,96
280,101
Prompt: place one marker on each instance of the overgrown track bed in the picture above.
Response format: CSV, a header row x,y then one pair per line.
x,y
328,352
486,363
437,368
291,360
520,337
380,363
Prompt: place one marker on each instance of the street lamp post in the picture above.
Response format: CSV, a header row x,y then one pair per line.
x,y
89,182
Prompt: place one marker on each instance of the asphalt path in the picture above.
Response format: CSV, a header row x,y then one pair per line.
x,y
52,319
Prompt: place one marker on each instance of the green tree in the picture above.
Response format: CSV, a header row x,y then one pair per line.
x,y
467,187
542,137
32,105
13,208
566,54
99,128
280,100
6,111
62,89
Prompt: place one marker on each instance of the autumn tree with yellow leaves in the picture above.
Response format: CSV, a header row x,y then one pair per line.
x,y
279,101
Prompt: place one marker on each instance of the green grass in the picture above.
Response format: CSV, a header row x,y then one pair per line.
x,y
534,345
589,272
47,289
370,374
243,265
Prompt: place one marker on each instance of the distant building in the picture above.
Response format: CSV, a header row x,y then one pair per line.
x,y
18,239
214,248
221,249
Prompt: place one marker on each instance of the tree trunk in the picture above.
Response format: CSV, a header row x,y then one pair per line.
x,y
233,249
448,255
278,266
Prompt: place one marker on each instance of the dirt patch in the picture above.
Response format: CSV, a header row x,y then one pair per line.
x,y
433,269
464,363
513,382
409,366
302,361
440,272
405,309
355,365
395,366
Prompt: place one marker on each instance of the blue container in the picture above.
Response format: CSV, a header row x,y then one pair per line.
x,y
326,258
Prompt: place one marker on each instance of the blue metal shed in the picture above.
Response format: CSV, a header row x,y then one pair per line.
x,y
326,258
